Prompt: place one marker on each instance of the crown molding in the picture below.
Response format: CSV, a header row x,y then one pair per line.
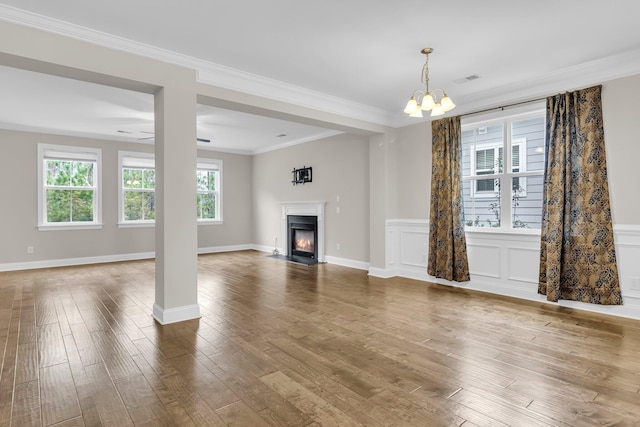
x,y
207,72
597,71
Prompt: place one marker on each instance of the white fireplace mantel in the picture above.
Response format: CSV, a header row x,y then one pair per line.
x,y
311,208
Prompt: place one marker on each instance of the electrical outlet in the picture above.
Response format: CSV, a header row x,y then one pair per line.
x,y
635,283
338,199
29,249
337,209
338,246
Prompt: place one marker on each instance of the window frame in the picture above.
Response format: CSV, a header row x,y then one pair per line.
x,y
69,153
139,160
534,110
211,165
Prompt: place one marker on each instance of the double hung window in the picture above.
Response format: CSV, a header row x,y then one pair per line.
x,y
137,188
69,187
209,187
503,166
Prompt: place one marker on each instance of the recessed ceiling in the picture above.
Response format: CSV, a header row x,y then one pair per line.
x,y
360,58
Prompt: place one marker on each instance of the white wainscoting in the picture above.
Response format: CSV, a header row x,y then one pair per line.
x,y
506,263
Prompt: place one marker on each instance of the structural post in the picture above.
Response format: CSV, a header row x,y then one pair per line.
x,y
176,223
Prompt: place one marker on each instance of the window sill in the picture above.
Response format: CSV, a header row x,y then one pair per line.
x,y
68,226
210,221
515,234
136,224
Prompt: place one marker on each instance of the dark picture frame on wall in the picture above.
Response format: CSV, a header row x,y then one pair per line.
x,y
301,175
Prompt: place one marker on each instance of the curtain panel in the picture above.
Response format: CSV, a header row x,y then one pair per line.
x,y
447,244
577,252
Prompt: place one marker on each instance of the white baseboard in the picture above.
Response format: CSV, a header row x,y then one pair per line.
x,y
263,248
165,316
65,262
218,249
381,273
360,265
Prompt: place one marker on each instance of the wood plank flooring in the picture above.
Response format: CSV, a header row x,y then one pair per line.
x,y
282,344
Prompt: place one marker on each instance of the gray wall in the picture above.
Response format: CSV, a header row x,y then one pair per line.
x,y
19,209
340,168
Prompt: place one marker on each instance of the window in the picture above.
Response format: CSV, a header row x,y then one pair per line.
x,y
69,187
137,184
496,185
209,187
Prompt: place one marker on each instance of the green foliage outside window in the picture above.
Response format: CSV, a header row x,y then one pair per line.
x,y
69,190
139,194
206,184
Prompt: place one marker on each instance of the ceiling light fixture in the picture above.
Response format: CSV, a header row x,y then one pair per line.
x,y
428,100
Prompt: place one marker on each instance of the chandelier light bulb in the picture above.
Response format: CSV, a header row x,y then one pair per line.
x,y
417,113
412,106
427,102
447,103
437,110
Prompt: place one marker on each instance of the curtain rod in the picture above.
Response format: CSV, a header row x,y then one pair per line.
x,y
515,104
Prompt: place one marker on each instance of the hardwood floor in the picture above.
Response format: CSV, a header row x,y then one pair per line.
x,y
285,344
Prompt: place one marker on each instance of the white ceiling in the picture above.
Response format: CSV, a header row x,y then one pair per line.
x,y
358,58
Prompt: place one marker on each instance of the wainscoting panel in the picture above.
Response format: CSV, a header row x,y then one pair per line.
x,y
523,265
484,260
506,263
414,246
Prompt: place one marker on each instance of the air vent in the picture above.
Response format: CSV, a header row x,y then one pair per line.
x,y
467,79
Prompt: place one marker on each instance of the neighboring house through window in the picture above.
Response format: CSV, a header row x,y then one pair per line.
x,y
69,183
502,168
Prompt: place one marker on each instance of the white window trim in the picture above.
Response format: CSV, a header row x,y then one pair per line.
x,y
132,159
70,152
213,164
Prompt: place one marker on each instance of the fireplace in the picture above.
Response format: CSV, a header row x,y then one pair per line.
x,y
302,234
309,231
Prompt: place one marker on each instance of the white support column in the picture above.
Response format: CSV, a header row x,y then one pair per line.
x,y
176,225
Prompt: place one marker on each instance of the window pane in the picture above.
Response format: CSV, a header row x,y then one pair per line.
x,y
148,206
202,180
532,130
480,211
132,206
526,206
207,206
58,205
149,178
82,174
58,172
479,149
139,206
82,205
132,178
213,177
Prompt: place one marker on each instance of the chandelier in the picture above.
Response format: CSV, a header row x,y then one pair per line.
x,y
428,100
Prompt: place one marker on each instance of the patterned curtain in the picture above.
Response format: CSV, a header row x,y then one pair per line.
x,y
447,244
577,252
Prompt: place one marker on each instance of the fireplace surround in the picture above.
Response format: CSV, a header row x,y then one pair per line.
x,y
306,214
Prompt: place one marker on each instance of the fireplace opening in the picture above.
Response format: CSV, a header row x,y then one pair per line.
x,y
302,234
